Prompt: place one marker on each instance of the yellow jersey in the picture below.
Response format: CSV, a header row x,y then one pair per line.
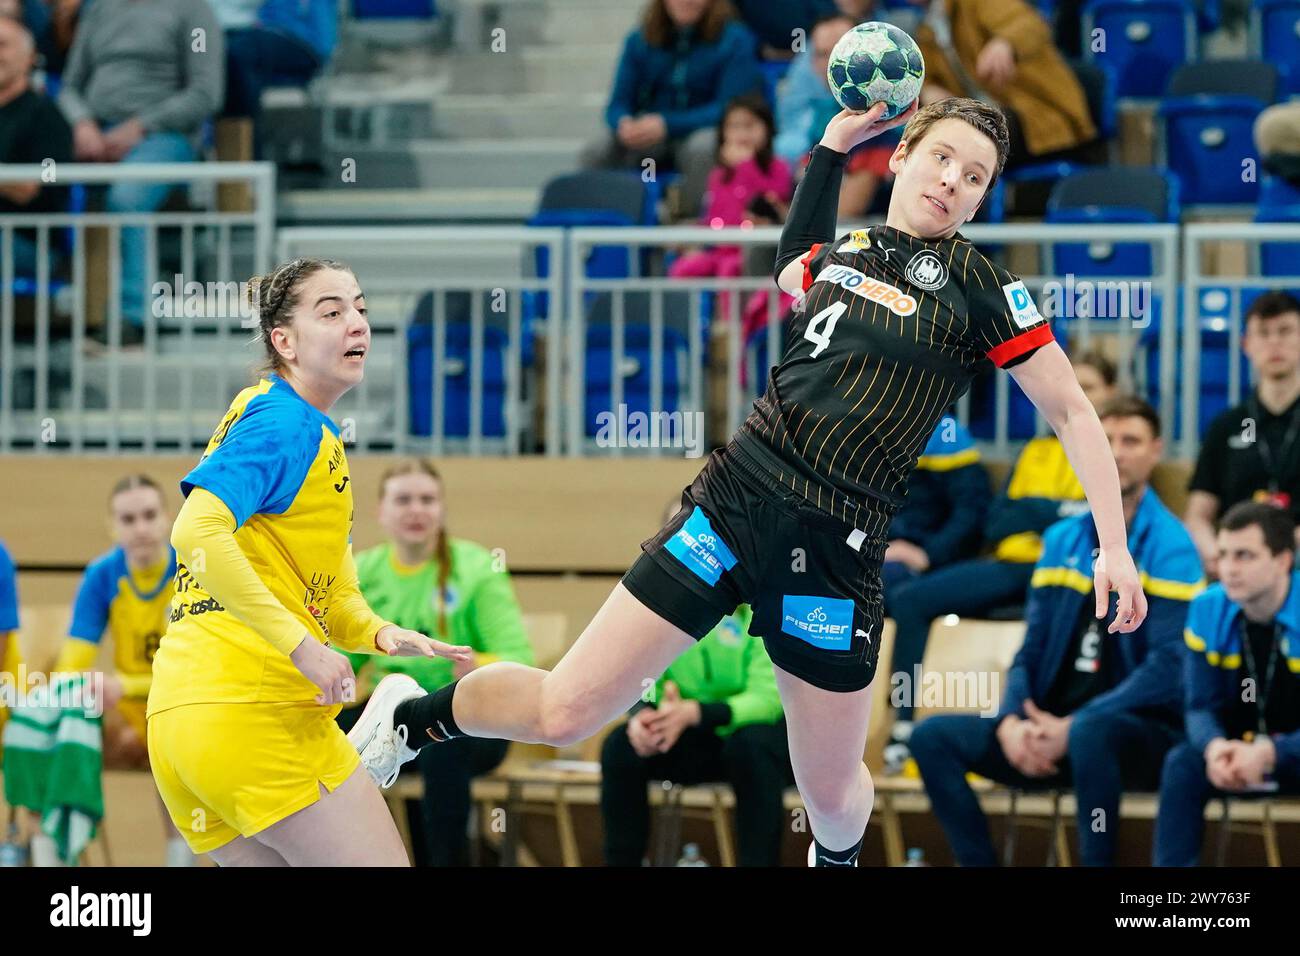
x,y
132,605
278,465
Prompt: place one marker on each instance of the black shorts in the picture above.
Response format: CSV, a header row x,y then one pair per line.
x,y
812,580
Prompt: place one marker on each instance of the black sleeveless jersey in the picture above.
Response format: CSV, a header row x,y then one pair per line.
x,y
890,332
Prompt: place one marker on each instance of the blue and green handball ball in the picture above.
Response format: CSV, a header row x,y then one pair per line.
x,y
876,63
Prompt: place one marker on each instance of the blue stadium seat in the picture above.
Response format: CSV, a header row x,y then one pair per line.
x,y
393,9
1099,87
1275,38
458,395
1110,195
1207,124
1279,201
592,197
1145,41
635,371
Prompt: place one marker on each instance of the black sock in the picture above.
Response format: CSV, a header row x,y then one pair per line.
x,y
428,719
847,857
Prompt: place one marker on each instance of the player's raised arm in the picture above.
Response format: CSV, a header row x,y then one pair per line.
x,y
815,206
1046,377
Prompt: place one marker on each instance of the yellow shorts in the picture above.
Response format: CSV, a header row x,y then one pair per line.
x,y
228,770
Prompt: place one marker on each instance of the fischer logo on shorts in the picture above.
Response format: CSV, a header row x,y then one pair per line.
x,y
821,621
896,300
1023,309
699,547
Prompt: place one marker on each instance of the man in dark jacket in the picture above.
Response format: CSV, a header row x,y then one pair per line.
x,y
32,130
715,715
677,71
1082,704
942,517
1242,681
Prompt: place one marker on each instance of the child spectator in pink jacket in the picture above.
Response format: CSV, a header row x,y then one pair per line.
x,y
749,186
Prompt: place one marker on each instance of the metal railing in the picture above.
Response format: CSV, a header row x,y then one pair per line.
x,y
479,350
463,286
1126,327
63,388
1234,290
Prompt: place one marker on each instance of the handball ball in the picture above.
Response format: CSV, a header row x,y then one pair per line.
x,y
876,63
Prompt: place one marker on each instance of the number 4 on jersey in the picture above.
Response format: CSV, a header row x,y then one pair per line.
x,y
830,315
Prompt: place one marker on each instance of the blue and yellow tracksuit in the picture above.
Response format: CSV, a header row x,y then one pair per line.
x,y
1041,490
1117,738
1212,688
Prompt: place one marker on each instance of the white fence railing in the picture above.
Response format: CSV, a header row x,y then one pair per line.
x,y
1215,304
64,382
513,340
459,335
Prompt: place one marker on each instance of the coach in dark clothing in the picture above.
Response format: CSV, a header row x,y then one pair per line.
x,y
32,130
942,518
1081,704
774,23
1251,452
686,61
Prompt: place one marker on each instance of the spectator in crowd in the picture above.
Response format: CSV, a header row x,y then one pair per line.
x,y
142,79
748,186
272,42
715,716
1241,682
1277,136
1250,451
1041,490
1001,52
774,24
126,594
942,517
32,130
686,61
1083,707
425,580
51,22
805,104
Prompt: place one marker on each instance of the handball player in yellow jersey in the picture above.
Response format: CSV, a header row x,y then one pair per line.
x,y
246,685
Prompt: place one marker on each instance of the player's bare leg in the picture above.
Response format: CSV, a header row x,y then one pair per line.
x,y
624,650
828,736
349,827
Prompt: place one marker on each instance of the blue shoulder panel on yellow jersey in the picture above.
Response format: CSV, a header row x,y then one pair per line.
x,y
95,595
8,593
263,458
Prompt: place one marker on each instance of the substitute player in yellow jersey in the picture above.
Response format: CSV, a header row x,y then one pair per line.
x,y
9,656
125,594
242,738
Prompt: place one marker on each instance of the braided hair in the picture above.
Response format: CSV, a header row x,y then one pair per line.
x,y
273,298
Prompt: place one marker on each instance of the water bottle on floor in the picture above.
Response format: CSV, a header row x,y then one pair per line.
x,y
916,857
691,856
12,853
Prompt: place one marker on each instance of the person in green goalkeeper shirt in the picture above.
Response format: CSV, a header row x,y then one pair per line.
x,y
716,716
425,580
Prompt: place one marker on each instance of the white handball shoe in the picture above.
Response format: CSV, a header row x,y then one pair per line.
x,y
383,749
